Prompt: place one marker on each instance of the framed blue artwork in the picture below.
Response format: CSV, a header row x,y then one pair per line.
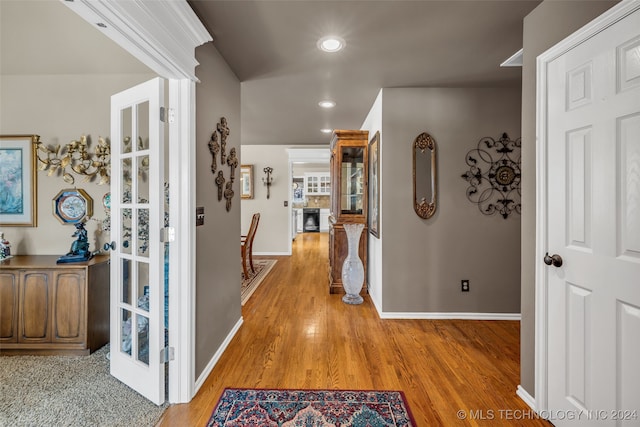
x,y
18,180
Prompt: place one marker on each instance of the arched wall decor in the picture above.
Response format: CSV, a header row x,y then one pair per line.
x,y
424,176
494,185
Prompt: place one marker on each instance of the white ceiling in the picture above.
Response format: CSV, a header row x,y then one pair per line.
x,y
271,46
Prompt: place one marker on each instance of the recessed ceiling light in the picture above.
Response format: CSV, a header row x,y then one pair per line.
x,y
327,104
331,44
326,130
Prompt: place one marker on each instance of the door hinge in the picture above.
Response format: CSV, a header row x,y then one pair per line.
x,y
167,115
167,354
168,234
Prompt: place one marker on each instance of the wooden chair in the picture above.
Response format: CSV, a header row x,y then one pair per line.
x,y
246,245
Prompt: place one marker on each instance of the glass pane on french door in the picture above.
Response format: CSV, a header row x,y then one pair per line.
x,y
134,219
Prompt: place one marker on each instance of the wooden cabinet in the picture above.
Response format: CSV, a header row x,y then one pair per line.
x,y
349,165
50,308
317,183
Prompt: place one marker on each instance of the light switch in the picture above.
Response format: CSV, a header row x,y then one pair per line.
x,y
199,216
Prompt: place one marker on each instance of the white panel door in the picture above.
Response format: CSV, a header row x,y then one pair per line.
x,y
137,209
594,226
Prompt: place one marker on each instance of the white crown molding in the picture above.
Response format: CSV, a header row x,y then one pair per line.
x,y
514,60
161,34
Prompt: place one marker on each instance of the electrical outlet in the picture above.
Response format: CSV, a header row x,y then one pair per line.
x,y
464,284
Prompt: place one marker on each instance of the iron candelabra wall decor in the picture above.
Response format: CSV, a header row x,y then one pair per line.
x,y
268,180
494,185
225,188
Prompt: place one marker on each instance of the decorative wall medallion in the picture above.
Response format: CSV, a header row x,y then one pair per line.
x,y
494,185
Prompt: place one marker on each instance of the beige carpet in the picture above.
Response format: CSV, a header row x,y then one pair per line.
x,y
69,391
250,284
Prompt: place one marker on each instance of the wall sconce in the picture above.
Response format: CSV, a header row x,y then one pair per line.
x,y
268,180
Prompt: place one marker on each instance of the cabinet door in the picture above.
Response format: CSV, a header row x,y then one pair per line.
x,y
325,183
34,307
69,317
9,306
299,222
312,184
324,220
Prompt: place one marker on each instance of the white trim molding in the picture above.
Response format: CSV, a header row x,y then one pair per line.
x,y
216,357
449,316
182,264
309,155
526,397
601,23
161,34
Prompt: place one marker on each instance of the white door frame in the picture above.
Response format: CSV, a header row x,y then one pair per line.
x,y
596,26
302,155
163,36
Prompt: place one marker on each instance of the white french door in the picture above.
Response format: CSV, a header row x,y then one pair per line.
x,y
593,230
137,210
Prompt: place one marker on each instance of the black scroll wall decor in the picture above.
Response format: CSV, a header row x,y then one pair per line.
x,y
494,175
219,149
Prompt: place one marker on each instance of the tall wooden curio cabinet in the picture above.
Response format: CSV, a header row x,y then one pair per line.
x,y
349,165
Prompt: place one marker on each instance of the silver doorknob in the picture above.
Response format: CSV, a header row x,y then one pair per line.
x,y
555,260
109,246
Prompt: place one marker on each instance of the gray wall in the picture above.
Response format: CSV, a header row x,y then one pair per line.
x,y
424,260
217,241
545,26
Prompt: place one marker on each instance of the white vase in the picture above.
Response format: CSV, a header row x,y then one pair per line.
x,y
352,269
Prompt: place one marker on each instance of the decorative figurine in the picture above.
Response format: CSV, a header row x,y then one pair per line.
x,y
5,247
79,251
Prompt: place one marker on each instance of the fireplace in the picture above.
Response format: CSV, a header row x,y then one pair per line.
x,y
311,220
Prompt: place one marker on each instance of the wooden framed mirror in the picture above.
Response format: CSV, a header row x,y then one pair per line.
x,y
246,181
424,176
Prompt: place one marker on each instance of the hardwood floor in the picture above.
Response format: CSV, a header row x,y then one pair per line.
x,y
297,335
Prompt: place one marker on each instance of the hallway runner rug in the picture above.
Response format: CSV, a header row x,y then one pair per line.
x,y
331,408
250,284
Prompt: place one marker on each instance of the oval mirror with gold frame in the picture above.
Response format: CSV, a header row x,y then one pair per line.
x,y
424,175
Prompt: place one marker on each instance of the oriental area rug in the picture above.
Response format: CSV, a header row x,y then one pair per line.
x,y
250,284
330,408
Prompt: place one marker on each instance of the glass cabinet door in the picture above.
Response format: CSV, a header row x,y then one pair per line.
x,y
352,180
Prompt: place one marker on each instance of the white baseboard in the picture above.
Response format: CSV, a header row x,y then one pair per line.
x,y
212,363
449,316
526,397
272,253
